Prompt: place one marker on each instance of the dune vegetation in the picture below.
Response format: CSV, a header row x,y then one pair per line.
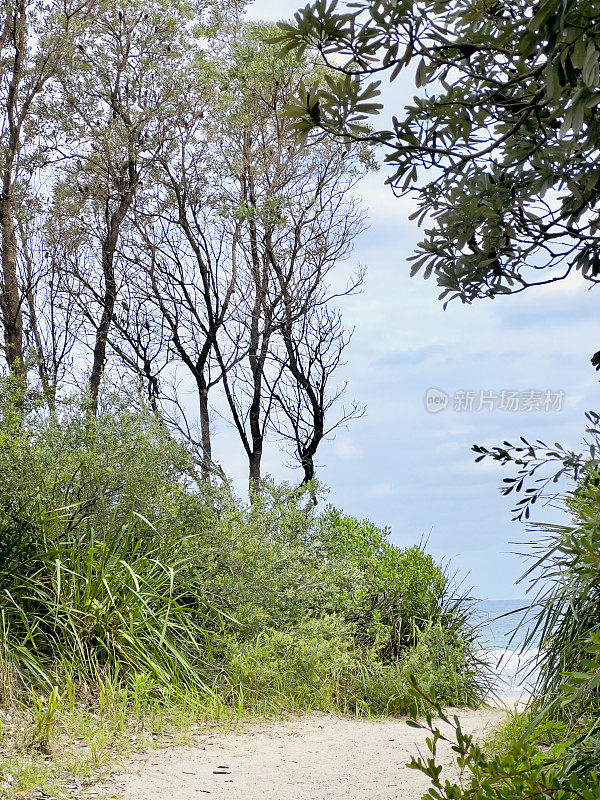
x,y
137,599
550,748
177,199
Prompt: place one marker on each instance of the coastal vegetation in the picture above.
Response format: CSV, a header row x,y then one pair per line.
x,y
137,599
550,749
499,148
175,202
168,265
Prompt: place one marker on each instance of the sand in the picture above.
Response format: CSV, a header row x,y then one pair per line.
x,y
312,757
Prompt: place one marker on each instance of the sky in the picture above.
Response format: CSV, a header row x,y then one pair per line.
x,y
411,470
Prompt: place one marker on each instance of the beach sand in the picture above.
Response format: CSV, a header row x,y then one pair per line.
x,y
311,757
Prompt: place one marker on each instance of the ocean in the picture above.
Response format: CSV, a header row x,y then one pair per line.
x,y
502,643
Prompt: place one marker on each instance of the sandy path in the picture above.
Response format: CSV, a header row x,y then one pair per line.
x,y
314,757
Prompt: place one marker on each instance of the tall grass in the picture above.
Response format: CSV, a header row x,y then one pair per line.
x,y
81,602
565,614
564,620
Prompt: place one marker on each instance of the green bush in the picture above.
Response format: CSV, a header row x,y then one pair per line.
x,y
393,593
519,771
305,668
117,561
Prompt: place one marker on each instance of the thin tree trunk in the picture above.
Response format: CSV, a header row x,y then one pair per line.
x,y
204,427
256,358
109,299
10,296
47,384
108,307
10,299
256,351
48,388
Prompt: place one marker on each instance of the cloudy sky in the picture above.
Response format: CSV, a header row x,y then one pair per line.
x,y
411,470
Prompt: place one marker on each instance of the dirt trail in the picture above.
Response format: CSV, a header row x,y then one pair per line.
x,y
314,757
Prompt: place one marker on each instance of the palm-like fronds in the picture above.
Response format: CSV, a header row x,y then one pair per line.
x,y
564,616
106,599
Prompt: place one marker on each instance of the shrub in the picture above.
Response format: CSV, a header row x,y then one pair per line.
x,y
87,583
520,771
395,592
117,561
305,668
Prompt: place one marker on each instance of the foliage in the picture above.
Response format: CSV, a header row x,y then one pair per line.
x,y
118,562
499,142
398,591
520,771
565,624
564,612
160,217
552,749
535,462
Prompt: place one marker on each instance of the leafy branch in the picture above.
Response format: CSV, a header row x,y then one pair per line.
x,y
532,457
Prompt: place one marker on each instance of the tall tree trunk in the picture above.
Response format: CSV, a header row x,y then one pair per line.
x,y
204,427
48,387
10,298
257,351
256,359
108,307
109,299
14,27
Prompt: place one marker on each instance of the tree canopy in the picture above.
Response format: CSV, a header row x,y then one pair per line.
x,y
500,143
162,224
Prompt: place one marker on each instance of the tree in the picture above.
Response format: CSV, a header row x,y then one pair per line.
x,y
230,257
500,145
184,293
125,85
303,392
53,323
34,44
296,219
161,209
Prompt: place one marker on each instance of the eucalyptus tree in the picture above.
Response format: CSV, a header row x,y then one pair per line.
x,y
35,43
126,83
500,142
53,323
234,246
295,220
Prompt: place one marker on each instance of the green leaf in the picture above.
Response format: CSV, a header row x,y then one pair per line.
x,y
528,43
546,10
589,71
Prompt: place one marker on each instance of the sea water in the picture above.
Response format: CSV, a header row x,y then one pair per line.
x,y
502,634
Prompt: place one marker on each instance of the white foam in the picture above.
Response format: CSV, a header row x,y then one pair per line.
x,y
514,670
